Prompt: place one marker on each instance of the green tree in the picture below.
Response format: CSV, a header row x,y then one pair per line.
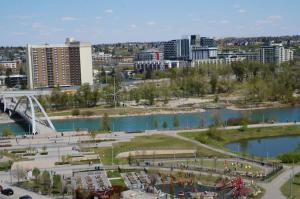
x,y
56,99
155,123
46,181
239,70
8,73
149,91
57,183
7,132
93,134
175,121
149,73
165,124
36,172
214,82
106,123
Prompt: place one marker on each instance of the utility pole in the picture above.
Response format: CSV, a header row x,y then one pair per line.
x,y
291,189
115,91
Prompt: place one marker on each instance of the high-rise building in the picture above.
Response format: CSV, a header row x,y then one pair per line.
x,y
68,64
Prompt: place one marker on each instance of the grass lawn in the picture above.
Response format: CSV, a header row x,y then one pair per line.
x,y
221,137
113,174
118,182
285,189
4,166
150,142
12,156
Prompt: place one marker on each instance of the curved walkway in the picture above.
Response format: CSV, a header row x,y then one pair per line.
x,y
273,188
204,145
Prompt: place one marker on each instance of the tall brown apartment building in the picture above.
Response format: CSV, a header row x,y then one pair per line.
x,y
69,64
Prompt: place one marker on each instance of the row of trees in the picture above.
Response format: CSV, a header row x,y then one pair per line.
x,y
83,98
256,81
48,183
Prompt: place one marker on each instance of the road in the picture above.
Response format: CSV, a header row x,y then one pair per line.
x,y
18,192
273,188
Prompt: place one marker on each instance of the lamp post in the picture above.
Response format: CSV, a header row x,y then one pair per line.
x,y
112,154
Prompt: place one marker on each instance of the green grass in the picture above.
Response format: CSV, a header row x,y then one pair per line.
x,y
222,137
113,174
12,156
118,182
4,166
285,189
153,142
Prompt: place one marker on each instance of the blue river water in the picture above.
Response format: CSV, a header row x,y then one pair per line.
x,y
186,120
260,147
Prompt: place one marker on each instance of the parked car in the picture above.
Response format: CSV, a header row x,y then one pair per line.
x,y
25,197
7,192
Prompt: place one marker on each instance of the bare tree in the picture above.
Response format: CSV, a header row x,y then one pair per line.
x,y
19,173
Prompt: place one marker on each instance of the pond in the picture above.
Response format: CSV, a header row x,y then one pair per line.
x,y
265,147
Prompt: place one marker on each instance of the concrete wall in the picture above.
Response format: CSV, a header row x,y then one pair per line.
x,y
86,63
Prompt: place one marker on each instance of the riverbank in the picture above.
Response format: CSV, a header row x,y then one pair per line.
x,y
267,105
153,112
121,112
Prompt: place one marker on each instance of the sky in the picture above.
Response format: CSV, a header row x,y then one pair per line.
x,y
112,21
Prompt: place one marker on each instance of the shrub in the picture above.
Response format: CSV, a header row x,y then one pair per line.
x,y
214,133
289,157
203,139
7,132
75,112
88,113
244,126
237,121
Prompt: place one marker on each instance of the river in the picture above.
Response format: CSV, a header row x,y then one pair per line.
x,y
186,120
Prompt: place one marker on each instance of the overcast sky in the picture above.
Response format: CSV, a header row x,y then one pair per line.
x,y
110,21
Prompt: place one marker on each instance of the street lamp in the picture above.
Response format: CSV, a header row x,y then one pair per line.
x,y
112,154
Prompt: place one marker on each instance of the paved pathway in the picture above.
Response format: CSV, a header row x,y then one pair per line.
x,y
204,145
18,192
273,188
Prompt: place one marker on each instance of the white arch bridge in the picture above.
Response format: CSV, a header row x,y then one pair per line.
x,y
25,104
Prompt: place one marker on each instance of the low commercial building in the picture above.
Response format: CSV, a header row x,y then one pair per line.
x,y
204,53
8,64
151,59
102,57
14,80
275,53
216,61
251,56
